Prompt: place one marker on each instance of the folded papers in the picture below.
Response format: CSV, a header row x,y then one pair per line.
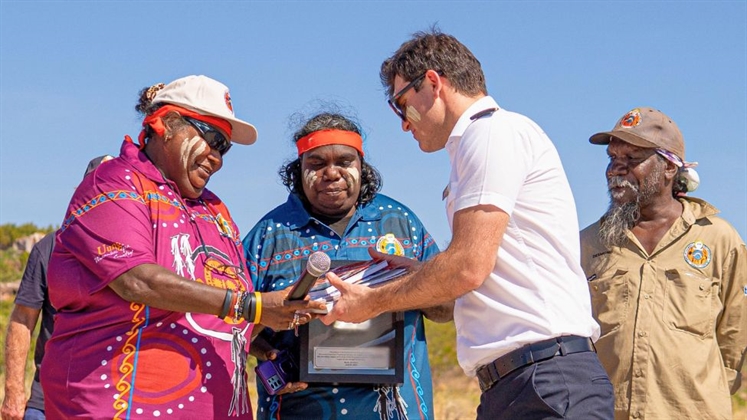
x,y
367,273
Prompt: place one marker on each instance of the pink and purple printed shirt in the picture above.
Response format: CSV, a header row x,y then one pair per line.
x,y
110,358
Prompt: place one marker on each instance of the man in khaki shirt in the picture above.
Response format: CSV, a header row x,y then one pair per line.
x,y
668,280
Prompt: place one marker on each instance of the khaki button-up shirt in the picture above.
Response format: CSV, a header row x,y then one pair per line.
x,y
674,323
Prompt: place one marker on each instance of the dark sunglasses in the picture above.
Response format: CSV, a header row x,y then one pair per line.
x,y
214,138
393,102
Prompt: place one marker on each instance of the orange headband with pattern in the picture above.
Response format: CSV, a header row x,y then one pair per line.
x,y
156,123
327,137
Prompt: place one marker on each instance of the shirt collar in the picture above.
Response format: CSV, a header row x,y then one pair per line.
x,y
139,161
464,120
695,208
135,157
298,217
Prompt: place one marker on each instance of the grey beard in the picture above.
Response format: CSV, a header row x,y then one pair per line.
x,y
622,217
617,221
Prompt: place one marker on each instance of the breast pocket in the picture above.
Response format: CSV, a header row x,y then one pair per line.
x,y
691,302
610,297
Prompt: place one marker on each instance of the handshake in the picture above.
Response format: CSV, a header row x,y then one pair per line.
x,y
312,282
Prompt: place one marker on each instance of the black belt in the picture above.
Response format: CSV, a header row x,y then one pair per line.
x,y
531,353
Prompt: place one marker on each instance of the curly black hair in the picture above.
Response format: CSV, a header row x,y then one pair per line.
x,y
145,107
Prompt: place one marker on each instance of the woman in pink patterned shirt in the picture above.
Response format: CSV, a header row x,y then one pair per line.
x,y
144,261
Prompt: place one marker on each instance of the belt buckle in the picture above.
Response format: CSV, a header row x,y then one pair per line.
x,y
545,349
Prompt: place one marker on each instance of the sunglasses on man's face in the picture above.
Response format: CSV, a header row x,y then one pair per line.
x,y
214,138
394,102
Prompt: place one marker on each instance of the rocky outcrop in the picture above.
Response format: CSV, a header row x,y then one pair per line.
x,y
27,242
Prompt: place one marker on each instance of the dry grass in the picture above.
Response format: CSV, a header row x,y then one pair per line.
x,y
455,396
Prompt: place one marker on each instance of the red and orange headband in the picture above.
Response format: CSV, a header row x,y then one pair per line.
x,y
327,137
156,123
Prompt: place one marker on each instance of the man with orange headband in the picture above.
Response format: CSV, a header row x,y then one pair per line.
x,y
145,259
334,207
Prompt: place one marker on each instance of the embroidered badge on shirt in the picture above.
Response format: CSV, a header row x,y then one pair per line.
x,y
389,244
697,254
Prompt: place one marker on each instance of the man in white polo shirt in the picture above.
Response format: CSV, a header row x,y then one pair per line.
x,y
523,313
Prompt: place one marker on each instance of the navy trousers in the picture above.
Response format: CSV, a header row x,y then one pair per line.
x,y
33,414
574,386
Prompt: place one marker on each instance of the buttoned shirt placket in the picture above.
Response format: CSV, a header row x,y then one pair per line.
x,y
650,301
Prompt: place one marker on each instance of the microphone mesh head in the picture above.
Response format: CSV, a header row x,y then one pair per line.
x,y
318,264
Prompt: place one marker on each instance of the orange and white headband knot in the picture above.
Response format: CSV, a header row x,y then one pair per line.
x,y
329,137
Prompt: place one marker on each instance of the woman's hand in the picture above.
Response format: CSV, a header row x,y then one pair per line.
x,y
263,350
289,387
280,314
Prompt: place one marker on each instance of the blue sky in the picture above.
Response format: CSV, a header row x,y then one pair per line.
x,y
70,72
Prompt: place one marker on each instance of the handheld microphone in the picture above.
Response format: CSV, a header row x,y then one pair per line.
x,y
317,264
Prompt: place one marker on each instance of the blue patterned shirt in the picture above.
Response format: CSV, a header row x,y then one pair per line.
x,y
276,250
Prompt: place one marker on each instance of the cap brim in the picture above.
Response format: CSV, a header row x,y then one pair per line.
x,y
241,131
626,136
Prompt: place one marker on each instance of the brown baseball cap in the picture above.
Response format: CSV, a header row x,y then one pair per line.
x,y
645,127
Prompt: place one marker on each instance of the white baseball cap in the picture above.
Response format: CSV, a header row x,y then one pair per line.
x,y
208,97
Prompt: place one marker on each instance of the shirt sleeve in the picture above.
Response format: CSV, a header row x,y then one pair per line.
x,y
32,289
731,331
110,227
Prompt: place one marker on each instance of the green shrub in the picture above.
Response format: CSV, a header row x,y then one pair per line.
x,y
13,262
441,345
9,232
11,265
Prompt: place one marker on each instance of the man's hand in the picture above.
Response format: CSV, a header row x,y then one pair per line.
x,y
356,303
14,406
